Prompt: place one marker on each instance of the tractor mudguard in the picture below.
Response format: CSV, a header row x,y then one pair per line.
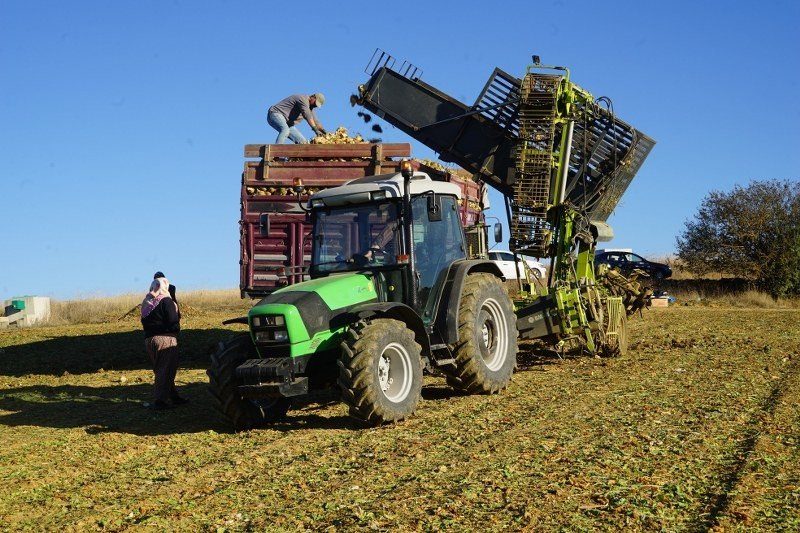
x,y
447,312
396,310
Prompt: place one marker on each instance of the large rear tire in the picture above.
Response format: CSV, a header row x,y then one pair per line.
x,y
380,371
242,413
486,352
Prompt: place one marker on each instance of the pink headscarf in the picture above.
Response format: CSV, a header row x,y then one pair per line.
x,y
158,290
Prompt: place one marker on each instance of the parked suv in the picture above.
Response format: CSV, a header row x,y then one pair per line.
x,y
626,262
505,261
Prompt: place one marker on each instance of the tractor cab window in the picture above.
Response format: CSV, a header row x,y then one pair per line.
x,y
438,241
355,237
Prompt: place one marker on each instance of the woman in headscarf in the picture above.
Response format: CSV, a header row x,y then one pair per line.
x,y
161,321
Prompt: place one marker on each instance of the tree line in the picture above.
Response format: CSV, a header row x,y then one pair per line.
x,y
752,232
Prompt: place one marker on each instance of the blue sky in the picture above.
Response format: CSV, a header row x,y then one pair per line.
x,y
122,123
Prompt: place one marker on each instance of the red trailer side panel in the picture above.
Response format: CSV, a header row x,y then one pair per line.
x,y
274,230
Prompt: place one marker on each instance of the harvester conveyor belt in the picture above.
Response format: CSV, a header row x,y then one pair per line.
x,y
483,138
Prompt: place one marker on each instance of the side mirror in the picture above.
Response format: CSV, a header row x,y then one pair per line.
x,y
498,232
263,225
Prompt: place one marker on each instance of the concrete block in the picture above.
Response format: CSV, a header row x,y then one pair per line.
x,y
37,310
659,302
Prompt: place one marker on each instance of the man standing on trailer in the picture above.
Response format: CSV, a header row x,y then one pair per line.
x,y
290,111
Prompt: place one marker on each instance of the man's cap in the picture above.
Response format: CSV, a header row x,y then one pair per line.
x,y
320,99
159,274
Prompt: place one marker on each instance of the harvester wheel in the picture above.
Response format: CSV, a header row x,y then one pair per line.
x,y
486,352
615,345
242,413
380,371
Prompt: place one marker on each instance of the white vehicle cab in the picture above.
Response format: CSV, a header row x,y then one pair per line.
x,y
505,260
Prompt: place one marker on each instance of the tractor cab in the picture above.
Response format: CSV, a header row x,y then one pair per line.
x,y
365,225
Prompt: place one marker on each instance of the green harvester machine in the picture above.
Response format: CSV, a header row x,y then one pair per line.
x,y
398,286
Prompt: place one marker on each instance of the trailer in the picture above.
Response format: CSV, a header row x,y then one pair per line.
x,y
274,226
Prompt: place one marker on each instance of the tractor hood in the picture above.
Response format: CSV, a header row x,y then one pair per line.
x,y
310,307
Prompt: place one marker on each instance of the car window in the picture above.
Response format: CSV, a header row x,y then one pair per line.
x,y
494,256
505,256
633,258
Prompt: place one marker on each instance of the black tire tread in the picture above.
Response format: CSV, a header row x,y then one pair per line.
x,y
242,414
471,375
357,373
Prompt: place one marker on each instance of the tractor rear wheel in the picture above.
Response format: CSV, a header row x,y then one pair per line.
x,y
486,352
243,413
380,371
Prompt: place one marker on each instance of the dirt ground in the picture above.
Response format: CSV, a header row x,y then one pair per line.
x,y
696,428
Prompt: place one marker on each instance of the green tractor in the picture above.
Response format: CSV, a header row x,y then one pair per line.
x,y
392,293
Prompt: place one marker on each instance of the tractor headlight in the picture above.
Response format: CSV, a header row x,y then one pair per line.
x,y
275,335
270,329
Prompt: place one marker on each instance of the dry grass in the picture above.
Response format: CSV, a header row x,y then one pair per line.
x,y
92,310
750,299
105,309
723,293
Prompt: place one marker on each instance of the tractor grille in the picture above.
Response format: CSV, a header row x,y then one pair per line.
x,y
273,369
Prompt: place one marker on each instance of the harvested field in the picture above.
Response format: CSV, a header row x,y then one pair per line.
x,y
696,428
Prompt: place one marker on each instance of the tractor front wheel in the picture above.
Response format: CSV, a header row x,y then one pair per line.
x,y
243,413
380,371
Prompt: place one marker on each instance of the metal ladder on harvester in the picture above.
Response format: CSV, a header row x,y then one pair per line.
x,y
537,116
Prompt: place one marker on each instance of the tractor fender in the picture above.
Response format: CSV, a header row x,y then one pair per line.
x,y
397,311
447,313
